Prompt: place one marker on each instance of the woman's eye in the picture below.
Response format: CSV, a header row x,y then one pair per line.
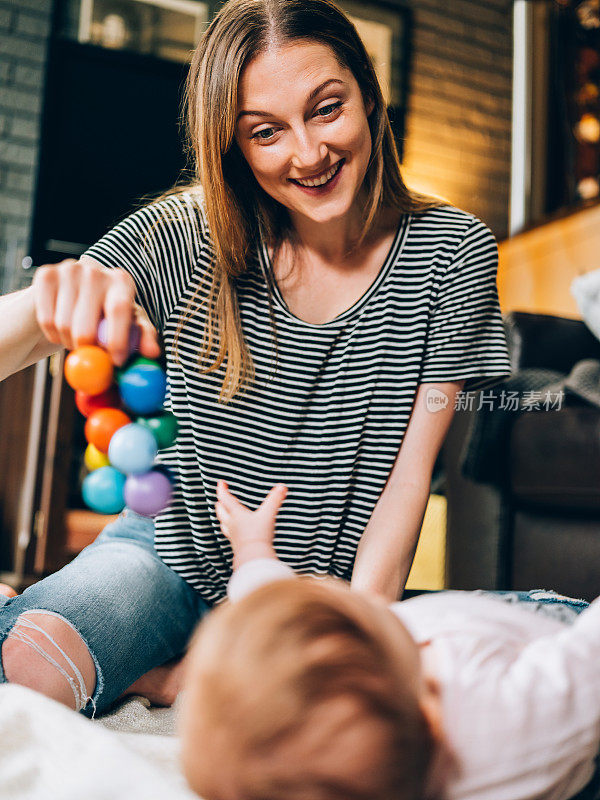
x,y
264,134
326,111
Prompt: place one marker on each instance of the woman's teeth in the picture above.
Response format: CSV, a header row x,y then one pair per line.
x,y
323,179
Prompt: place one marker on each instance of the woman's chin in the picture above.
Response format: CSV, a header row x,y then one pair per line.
x,y
324,212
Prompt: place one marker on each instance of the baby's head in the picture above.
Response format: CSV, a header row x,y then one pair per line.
x,y
304,690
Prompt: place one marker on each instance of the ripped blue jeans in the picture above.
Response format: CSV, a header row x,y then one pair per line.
x,y
132,611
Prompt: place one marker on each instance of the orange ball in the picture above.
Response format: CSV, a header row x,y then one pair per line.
x,y
101,425
89,369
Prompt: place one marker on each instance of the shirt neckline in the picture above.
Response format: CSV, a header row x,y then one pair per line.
x,y
388,262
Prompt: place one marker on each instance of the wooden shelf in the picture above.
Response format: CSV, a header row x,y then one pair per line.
x,y
82,527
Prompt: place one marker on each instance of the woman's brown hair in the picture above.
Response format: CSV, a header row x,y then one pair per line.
x,y
237,210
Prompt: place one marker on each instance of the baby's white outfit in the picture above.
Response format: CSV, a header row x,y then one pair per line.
x,y
520,691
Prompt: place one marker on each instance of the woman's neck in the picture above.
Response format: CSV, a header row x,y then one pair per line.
x,y
334,242
329,242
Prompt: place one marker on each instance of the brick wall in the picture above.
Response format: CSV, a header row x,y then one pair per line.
x,y
24,29
459,120
458,125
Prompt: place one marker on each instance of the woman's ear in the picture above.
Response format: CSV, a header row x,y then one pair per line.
x,y
369,105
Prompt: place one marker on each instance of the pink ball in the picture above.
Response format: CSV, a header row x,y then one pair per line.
x,y
149,493
135,336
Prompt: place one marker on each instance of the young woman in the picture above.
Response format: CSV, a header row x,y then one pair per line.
x,y
313,312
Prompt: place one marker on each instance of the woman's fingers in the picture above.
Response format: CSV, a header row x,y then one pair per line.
x,y
46,288
149,345
68,273
118,309
72,296
88,309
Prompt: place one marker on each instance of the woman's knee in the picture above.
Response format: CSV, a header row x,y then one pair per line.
x,y
44,652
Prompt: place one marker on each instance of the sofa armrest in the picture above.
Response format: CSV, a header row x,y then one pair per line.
x,y
548,342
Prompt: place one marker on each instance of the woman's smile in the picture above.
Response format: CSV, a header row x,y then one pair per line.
x,y
323,182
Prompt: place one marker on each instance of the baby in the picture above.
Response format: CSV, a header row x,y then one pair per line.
x,y
299,689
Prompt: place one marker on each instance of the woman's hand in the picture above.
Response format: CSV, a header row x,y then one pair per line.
x,y
72,297
250,532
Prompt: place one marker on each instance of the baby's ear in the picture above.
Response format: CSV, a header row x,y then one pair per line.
x,y
431,706
443,765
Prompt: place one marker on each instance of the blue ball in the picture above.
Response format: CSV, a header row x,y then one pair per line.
x,y
132,449
102,490
143,388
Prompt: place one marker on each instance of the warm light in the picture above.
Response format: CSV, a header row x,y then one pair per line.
x,y
417,183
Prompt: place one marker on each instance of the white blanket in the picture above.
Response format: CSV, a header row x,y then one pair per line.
x,y
48,752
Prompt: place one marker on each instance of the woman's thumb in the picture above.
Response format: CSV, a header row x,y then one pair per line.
x,y
149,345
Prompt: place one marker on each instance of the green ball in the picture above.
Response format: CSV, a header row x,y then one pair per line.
x,y
163,426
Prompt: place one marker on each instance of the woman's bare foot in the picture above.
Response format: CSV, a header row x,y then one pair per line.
x,y
7,590
160,685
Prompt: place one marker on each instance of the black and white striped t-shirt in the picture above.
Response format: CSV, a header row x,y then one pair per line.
x,y
329,419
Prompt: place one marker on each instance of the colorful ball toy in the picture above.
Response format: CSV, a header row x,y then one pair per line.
x,y
163,426
102,424
132,449
88,403
89,369
122,444
143,388
94,458
102,490
148,493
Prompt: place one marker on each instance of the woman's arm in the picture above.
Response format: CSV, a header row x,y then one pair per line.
x,y
22,342
388,544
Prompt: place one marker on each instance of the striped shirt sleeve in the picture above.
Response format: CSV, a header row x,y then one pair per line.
x,y
466,338
158,245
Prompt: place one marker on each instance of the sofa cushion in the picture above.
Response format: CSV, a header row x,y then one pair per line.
x,y
556,551
555,458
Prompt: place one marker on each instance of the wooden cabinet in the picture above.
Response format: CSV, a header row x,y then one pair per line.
x,y
40,529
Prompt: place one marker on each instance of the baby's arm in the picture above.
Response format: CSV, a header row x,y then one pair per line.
x,y
251,535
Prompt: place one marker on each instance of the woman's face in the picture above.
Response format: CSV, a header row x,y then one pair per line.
x,y
302,127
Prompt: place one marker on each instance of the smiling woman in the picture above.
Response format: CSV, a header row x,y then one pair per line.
x,y
308,301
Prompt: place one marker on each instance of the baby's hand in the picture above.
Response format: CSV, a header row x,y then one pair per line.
x,y
250,532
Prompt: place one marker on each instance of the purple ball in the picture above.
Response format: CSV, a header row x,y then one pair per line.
x,y
149,493
135,336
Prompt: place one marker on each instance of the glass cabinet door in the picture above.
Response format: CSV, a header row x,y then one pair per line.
x,y
168,29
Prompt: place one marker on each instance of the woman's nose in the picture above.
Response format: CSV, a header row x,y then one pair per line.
x,y
309,152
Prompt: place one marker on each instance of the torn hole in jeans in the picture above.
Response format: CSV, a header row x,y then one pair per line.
x,y
76,681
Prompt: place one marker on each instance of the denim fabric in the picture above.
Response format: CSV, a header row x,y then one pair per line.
x,y
541,601
132,610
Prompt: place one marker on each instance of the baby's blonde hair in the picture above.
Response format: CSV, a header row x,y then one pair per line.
x,y
304,691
